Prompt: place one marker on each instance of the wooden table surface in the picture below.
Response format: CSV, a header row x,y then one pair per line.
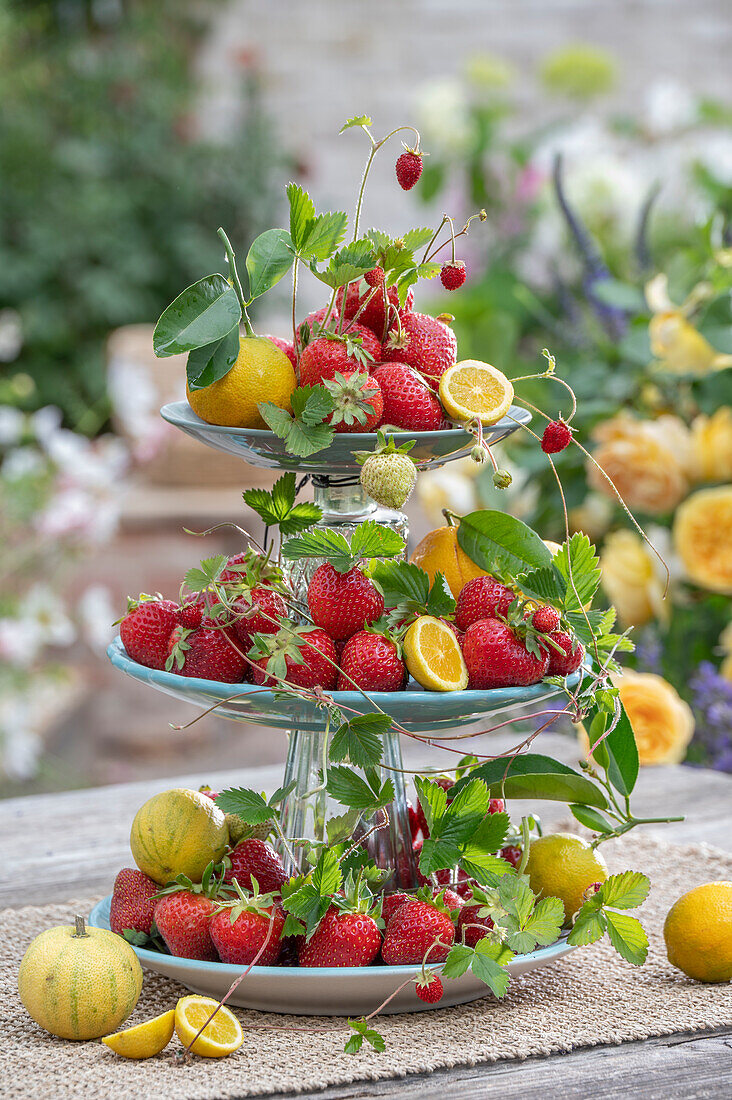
x,y
63,846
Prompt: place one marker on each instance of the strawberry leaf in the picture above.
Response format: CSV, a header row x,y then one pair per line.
x,y
627,936
347,264
360,740
278,508
372,540
625,891
589,926
304,432
302,214
369,540
362,1031
246,804
357,120
326,233
351,790
489,964
458,961
583,578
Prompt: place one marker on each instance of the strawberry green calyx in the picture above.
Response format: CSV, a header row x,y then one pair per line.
x,y
353,343
251,902
356,399
177,655
278,648
212,883
388,474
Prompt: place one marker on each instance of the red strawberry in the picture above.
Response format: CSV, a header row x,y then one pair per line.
x,y
458,883
372,315
408,402
408,169
318,666
496,657
241,928
569,660
183,920
545,619
424,343
557,435
448,897
132,905
496,806
327,356
315,320
391,903
470,927
146,628
482,598
372,662
414,820
343,603
259,609
342,939
206,653
255,858
452,274
413,930
511,854
286,346
234,576
375,277
190,615
429,989
358,402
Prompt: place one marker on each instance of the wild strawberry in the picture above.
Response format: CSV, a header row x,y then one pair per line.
x,y
449,898
132,905
511,854
391,903
429,988
414,929
408,402
255,859
374,277
259,610
424,343
284,345
496,657
342,939
557,435
482,598
246,926
304,657
183,919
369,306
343,603
372,662
470,927
408,168
569,660
452,274
333,354
545,619
358,404
232,575
457,882
146,629
496,806
190,615
206,653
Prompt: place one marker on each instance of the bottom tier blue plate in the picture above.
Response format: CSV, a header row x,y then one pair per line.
x,y
327,991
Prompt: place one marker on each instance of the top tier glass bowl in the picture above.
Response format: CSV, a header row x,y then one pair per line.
x,y
261,447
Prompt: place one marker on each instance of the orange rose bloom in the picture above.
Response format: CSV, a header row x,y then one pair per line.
x,y
703,538
648,460
662,722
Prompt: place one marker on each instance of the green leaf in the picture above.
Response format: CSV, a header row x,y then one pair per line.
x,y
206,574
360,740
627,937
311,404
543,584
304,432
203,314
438,855
441,601
400,581
326,233
269,258
489,965
369,540
326,875
302,214
458,960
415,238
534,776
585,570
622,750
357,120
372,540
591,819
278,508
626,890
351,790
433,800
347,264
246,804
500,543
341,826
363,1031
207,364
545,923
589,927
620,295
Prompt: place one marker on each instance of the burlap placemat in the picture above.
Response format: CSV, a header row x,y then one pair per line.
x,y
588,998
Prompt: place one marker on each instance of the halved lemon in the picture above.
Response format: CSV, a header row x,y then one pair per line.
x,y
221,1037
144,1040
471,389
433,655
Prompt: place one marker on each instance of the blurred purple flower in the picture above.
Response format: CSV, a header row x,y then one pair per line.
x,y
712,705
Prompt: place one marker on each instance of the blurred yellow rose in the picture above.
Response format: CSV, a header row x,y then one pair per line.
x,y
711,439
703,538
630,579
678,347
648,460
662,722
593,516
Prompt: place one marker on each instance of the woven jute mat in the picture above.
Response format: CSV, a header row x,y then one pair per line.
x,y
590,997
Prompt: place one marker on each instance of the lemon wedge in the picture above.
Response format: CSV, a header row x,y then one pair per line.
x,y
144,1040
471,389
221,1037
433,655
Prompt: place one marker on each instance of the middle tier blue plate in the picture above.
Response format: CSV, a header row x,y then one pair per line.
x,y
417,710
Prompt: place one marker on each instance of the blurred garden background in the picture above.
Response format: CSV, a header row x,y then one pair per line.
x,y
596,135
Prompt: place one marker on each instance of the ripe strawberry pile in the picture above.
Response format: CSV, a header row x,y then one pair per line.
x,y
252,636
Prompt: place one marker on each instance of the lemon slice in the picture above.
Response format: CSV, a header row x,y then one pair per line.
x,y
472,389
433,655
144,1040
221,1037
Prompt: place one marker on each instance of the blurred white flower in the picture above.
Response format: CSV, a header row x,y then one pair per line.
x,y
45,423
452,486
713,150
22,462
97,612
20,641
443,115
668,106
44,607
11,335
12,422
20,745
75,511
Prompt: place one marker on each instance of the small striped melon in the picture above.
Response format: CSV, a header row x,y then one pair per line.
x,y
178,832
79,983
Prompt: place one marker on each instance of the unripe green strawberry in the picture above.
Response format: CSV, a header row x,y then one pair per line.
x,y
389,479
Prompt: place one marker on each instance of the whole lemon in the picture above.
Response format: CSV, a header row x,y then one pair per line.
x,y
438,552
261,373
562,865
178,832
79,982
698,933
